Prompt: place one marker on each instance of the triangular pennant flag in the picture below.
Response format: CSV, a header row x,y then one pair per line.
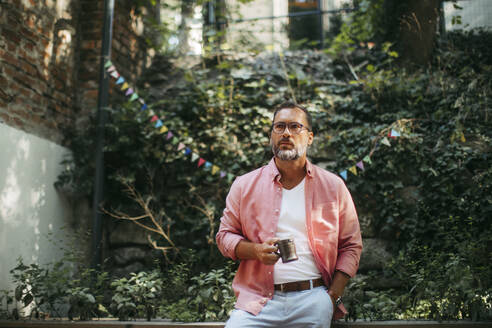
x,y
194,157
151,113
111,69
208,165
353,169
360,165
120,80
144,107
141,101
174,141
134,97
201,161
394,133
115,74
164,129
187,151
222,174
385,142
158,124
230,177
215,168
343,174
180,146
169,135
129,92
462,137
125,86
367,159
154,118
108,64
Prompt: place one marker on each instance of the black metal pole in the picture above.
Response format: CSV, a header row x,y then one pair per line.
x,y
102,104
321,31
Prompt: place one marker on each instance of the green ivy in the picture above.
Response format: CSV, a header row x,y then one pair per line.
x,y
429,190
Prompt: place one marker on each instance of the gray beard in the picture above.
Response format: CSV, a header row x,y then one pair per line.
x,y
289,155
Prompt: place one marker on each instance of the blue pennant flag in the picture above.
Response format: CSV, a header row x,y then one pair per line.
x,y
158,124
208,165
343,174
187,151
144,106
120,80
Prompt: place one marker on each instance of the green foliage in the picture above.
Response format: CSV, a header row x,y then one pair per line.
x,y
429,192
209,297
6,299
62,287
137,296
43,287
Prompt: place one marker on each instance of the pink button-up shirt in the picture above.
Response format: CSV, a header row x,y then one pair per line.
x,y
252,212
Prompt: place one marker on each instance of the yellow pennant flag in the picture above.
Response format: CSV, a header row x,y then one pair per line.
x,y
462,137
125,86
215,169
353,169
164,129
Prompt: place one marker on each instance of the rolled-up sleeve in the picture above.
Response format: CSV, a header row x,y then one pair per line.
x,y
230,231
349,236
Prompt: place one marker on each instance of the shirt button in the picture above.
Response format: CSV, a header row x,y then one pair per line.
x,y
270,294
276,210
270,273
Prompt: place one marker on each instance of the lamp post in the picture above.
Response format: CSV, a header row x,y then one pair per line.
x,y
102,103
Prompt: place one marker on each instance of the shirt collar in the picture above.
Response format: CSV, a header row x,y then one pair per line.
x,y
275,174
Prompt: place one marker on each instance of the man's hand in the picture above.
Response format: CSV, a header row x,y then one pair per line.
x,y
264,252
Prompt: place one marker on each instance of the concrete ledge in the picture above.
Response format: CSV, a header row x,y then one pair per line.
x,y
167,324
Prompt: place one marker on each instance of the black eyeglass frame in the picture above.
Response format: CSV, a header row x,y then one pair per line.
x,y
287,126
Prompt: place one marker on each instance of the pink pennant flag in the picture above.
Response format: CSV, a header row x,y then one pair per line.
x,y
154,118
201,161
360,165
180,146
169,135
111,68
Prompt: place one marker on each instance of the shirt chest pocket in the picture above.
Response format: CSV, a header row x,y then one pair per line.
x,y
324,221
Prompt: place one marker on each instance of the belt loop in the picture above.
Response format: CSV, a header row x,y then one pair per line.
x,y
311,284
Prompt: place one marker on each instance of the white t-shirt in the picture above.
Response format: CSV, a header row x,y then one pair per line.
x,y
292,224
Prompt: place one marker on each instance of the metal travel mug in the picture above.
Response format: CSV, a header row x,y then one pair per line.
x,y
286,250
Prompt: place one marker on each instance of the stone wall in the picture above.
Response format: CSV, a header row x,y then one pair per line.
x,y
49,60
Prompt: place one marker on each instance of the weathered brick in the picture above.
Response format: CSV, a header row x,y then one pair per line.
x,y
10,35
30,35
28,68
29,46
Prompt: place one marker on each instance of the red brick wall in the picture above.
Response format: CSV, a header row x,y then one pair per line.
x,y
49,61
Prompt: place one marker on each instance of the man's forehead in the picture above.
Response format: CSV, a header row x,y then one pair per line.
x,y
290,114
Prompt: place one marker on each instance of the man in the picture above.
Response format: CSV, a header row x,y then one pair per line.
x,y
290,197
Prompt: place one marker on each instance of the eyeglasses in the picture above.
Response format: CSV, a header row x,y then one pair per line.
x,y
294,127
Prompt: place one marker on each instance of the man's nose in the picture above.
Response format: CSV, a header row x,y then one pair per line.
x,y
286,132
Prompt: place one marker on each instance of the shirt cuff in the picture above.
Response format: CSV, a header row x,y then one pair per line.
x,y
230,245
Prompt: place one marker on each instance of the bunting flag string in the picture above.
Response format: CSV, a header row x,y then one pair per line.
x,y
159,123
383,139
110,68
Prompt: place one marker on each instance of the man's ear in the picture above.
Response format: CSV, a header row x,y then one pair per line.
x,y
311,138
